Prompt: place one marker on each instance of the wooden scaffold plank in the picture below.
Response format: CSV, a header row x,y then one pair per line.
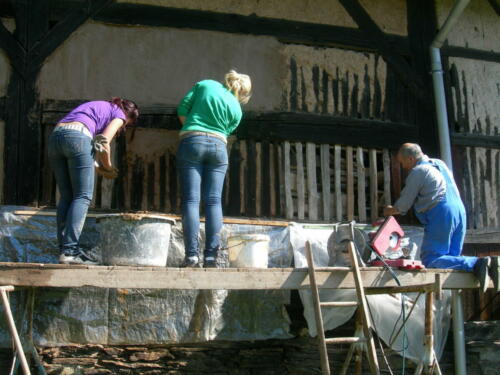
x,y
73,276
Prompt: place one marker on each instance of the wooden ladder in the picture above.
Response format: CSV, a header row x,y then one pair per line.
x,y
428,365
363,311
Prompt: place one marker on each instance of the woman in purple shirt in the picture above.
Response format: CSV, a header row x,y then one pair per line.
x,y
71,154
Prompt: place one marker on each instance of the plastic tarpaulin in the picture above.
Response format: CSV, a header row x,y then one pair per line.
x,y
385,309
87,315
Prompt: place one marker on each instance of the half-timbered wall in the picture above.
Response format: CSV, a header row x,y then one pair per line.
x,y
474,97
337,85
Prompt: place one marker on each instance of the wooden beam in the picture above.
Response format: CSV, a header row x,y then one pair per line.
x,y
227,220
471,53
475,140
62,30
376,36
276,126
480,236
422,25
304,127
14,50
74,276
284,30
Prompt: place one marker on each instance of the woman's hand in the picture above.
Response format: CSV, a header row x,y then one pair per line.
x,y
107,173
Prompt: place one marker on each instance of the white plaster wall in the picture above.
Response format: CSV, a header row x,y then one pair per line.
x,y
390,15
158,65
478,27
338,64
480,94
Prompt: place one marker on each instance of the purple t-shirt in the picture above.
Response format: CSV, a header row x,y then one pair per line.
x,y
95,115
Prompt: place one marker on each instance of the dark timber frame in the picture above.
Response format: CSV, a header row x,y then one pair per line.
x,y
27,48
408,65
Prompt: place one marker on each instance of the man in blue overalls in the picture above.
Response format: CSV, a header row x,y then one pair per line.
x,y
431,189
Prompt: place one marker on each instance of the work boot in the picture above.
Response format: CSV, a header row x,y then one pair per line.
x,y
209,262
494,272
191,262
79,258
481,270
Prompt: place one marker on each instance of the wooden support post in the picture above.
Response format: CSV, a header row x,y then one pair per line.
x,y
325,365
386,161
338,191
288,180
350,183
373,185
360,169
12,328
312,191
300,181
325,181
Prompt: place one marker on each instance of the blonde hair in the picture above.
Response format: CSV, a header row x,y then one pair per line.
x,y
239,84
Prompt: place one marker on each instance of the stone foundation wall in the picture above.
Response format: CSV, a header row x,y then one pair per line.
x,y
298,356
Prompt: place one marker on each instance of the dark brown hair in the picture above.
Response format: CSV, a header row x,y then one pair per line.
x,y
129,108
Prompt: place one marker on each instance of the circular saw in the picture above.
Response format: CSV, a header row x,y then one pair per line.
x,y
337,245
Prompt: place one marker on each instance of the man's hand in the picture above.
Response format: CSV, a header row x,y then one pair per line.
x,y
107,173
390,211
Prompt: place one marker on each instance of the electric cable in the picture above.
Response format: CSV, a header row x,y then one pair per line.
x,y
402,314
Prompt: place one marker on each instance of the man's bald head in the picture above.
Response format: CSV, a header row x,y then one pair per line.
x,y
409,155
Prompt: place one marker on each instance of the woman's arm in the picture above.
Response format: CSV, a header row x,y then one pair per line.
x,y
185,105
104,157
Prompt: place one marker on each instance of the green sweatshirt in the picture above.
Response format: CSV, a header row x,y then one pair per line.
x,y
210,107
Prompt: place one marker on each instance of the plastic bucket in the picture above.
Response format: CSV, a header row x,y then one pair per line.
x,y
248,250
135,239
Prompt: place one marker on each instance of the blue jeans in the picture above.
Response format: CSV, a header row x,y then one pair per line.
x,y
71,158
444,234
202,163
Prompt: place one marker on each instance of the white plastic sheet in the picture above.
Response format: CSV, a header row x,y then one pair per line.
x,y
385,309
65,316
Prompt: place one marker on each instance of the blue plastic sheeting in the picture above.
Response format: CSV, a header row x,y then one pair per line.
x,y
64,316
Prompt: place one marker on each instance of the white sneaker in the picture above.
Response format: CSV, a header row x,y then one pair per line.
x,y
80,258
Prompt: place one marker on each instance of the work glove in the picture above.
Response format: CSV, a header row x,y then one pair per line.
x,y
107,173
100,143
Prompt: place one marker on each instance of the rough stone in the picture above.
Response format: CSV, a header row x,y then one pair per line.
x,y
151,356
132,365
82,361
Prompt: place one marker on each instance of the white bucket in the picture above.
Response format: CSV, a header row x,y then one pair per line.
x,y
248,250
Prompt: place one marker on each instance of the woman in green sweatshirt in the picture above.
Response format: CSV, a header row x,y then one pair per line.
x,y
209,113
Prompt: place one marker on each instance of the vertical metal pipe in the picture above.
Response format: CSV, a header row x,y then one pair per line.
x,y
441,112
445,150
458,333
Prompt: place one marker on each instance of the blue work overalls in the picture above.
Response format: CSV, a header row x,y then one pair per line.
x,y
445,226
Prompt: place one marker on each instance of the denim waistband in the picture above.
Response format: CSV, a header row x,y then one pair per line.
x,y
73,126
188,134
